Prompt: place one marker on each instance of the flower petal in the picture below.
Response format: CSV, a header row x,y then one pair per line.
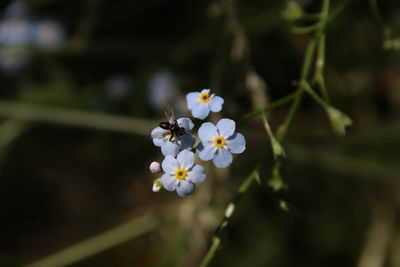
x,y
185,159
216,104
169,182
236,143
223,158
185,123
170,148
200,111
196,174
205,91
156,134
169,165
206,152
207,132
192,99
187,141
226,127
185,188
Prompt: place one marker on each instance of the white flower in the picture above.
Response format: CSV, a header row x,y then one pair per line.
x,y
181,173
219,142
201,103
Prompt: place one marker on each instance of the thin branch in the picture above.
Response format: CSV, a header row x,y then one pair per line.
x,y
280,102
29,112
99,243
379,234
229,211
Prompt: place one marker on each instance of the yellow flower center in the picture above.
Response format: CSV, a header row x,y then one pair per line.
x,y
168,137
205,97
219,141
180,174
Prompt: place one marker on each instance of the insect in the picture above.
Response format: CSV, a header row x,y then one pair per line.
x,y
173,130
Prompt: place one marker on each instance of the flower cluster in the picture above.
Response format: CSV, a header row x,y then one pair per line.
x,y
177,142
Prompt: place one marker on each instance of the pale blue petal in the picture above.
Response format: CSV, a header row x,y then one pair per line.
x,y
170,148
223,158
185,159
185,123
192,99
158,141
169,182
185,188
216,104
200,111
169,165
207,132
226,127
188,141
236,143
156,134
206,152
196,174
205,91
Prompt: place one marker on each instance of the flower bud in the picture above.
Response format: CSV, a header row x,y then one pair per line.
x,y
277,148
339,120
157,186
276,182
293,11
155,167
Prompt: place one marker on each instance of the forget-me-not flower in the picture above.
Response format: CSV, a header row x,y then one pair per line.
x,y
48,34
219,142
118,85
162,88
181,173
171,145
201,103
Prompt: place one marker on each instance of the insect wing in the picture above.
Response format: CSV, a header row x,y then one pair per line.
x,y
169,113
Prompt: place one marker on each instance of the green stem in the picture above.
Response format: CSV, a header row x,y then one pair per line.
x,y
315,16
211,252
314,95
284,128
305,29
308,58
229,211
275,104
319,67
267,126
99,243
29,112
375,10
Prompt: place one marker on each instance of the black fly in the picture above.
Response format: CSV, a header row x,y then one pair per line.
x,y
171,126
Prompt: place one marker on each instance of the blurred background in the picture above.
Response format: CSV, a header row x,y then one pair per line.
x,y
82,83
